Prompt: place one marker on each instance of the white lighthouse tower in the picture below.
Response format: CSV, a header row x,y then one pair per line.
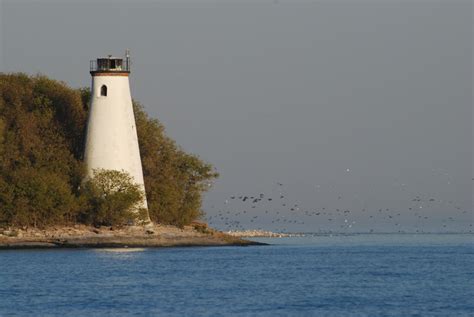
x,y
111,139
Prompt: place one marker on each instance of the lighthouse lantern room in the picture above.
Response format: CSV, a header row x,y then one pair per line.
x,y
110,64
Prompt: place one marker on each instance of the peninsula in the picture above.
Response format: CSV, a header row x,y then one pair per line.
x,y
49,198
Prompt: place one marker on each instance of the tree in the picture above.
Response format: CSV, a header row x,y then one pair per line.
x,y
174,179
113,199
39,170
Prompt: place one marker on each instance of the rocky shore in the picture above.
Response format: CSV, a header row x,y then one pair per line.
x,y
151,236
260,234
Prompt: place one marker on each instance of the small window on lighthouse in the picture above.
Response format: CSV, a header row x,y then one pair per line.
x,y
103,90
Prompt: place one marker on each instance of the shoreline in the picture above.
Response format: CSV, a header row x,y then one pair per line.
x,y
81,237
261,234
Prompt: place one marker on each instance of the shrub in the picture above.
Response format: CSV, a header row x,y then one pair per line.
x,y
113,199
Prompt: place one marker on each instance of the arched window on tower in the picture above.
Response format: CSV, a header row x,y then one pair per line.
x,y
103,90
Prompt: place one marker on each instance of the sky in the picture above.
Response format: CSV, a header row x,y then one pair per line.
x,y
358,110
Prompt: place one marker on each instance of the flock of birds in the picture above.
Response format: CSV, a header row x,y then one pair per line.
x,y
278,212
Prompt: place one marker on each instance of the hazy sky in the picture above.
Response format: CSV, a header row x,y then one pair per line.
x,y
349,104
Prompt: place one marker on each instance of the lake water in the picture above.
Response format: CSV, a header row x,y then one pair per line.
x,y
356,275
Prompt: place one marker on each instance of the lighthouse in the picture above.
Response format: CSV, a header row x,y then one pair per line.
x,y
111,137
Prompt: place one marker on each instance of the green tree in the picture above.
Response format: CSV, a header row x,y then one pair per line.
x,y
39,170
174,179
113,199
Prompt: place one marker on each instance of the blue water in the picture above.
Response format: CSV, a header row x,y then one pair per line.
x,y
358,275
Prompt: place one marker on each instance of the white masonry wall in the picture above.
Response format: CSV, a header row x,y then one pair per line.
x,y
111,139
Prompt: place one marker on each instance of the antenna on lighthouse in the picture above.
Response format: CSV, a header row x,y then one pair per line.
x,y
127,58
